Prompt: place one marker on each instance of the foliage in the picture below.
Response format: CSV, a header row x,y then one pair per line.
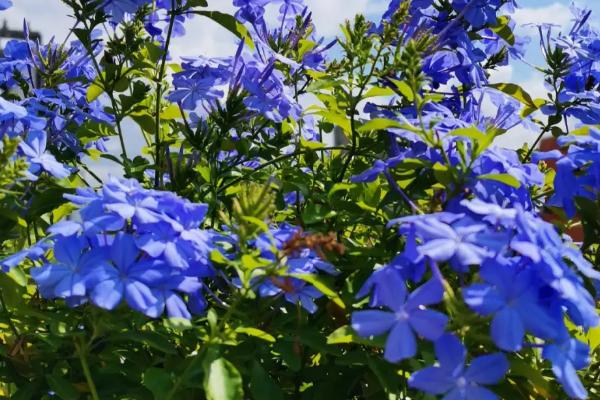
x,y
245,255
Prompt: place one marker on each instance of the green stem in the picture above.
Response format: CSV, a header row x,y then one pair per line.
x,y
353,111
159,93
8,316
275,161
535,144
86,370
111,96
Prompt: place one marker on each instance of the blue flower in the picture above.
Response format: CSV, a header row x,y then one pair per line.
x,y
5,4
577,172
407,315
69,276
302,260
295,291
117,9
10,110
448,237
456,381
33,253
478,12
127,200
34,148
512,295
567,357
125,278
153,254
251,11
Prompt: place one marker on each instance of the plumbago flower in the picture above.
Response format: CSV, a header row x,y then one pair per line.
x,y
577,171
532,280
298,260
216,277
128,243
580,83
118,9
452,379
456,151
408,314
456,54
46,119
257,71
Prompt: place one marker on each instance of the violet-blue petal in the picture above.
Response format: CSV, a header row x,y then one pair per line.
x,y
372,322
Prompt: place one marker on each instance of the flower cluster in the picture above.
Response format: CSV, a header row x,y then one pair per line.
x,y
456,150
580,86
118,9
126,242
298,259
577,172
47,118
204,81
146,247
456,54
530,280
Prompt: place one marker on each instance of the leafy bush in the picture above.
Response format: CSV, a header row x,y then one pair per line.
x,y
248,254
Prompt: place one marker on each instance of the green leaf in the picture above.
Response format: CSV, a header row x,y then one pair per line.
x,y
593,338
257,222
196,3
158,381
479,139
346,335
94,91
321,286
262,386
62,387
386,375
442,174
404,89
380,124
222,381
520,94
171,112
315,213
18,275
503,178
342,335
531,108
336,118
376,91
340,187
256,333
178,324
311,145
503,30
470,132
534,377
151,339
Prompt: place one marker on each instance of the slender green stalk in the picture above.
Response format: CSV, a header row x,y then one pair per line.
x,y
111,97
12,326
353,111
275,161
81,351
159,93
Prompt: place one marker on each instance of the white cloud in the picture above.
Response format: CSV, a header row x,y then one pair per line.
x,y
51,21
501,74
556,13
329,14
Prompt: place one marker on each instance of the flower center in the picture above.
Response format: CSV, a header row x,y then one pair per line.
x,y
461,382
402,315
